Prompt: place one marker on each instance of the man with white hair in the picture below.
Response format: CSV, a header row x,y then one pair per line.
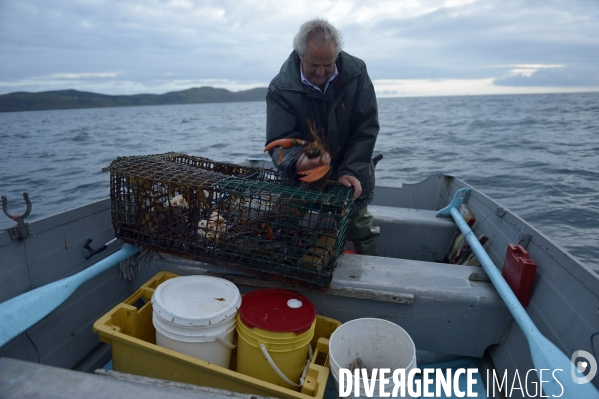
x,y
331,89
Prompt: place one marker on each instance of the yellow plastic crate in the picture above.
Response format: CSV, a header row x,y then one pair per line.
x,y
130,332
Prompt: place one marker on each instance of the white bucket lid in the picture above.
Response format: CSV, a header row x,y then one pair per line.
x,y
196,300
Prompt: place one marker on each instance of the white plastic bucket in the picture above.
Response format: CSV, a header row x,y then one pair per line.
x,y
379,343
195,315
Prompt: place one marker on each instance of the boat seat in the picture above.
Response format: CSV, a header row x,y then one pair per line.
x,y
404,230
445,308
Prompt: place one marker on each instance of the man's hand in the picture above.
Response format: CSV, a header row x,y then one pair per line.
x,y
350,181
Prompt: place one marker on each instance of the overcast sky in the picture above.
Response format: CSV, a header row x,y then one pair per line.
x,y
411,47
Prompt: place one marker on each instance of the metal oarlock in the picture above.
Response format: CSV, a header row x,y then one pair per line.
x,y
21,230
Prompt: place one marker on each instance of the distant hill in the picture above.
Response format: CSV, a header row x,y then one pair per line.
x,y
67,99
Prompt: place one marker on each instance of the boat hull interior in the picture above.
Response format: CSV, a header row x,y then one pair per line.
x,y
450,311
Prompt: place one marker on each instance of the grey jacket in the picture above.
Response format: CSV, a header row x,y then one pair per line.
x,y
347,114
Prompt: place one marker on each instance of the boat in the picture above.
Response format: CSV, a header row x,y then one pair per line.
x,y
454,313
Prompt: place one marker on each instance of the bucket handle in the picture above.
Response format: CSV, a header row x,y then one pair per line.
x,y
226,343
280,373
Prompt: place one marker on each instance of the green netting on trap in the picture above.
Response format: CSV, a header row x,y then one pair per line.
x,y
245,218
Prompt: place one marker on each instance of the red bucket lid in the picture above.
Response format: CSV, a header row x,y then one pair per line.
x,y
277,310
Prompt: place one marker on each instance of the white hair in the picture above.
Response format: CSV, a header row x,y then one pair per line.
x,y
319,29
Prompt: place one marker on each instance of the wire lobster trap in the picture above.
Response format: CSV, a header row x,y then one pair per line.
x,y
245,218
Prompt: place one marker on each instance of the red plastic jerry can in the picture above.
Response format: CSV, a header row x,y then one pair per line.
x,y
519,272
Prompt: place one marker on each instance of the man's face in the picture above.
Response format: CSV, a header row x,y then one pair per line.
x,y
318,64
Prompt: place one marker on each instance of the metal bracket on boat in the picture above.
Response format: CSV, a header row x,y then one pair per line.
x,y
479,277
460,197
523,239
21,230
500,212
92,251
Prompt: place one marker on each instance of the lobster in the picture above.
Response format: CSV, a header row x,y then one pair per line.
x,y
312,149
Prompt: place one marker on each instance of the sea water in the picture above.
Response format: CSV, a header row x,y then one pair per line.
x,y
537,155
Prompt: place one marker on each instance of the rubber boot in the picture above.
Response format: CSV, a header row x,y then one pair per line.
x,y
362,233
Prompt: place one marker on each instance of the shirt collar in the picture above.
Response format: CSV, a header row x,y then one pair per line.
x,y
307,82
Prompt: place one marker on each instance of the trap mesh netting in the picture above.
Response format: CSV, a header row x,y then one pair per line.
x,y
245,218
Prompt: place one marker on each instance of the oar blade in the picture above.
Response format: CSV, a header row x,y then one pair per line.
x,y
556,374
21,312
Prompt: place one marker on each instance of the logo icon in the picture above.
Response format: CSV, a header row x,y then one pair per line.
x,y
583,362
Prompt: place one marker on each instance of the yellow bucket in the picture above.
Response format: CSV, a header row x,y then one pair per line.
x,y
274,329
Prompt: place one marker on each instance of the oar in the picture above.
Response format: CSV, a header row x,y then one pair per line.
x,y
545,355
21,312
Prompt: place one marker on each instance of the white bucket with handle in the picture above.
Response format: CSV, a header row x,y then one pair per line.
x,y
377,343
196,315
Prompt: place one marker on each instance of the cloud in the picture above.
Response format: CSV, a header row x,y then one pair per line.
x,y
473,40
554,77
159,45
529,69
84,75
460,87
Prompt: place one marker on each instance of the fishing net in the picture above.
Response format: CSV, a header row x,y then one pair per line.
x,y
245,218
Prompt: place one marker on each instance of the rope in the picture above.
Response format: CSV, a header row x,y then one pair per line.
x,y
34,345
519,235
475,225
593,344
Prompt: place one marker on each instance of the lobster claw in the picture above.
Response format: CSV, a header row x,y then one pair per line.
x,y
284,143
315,174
